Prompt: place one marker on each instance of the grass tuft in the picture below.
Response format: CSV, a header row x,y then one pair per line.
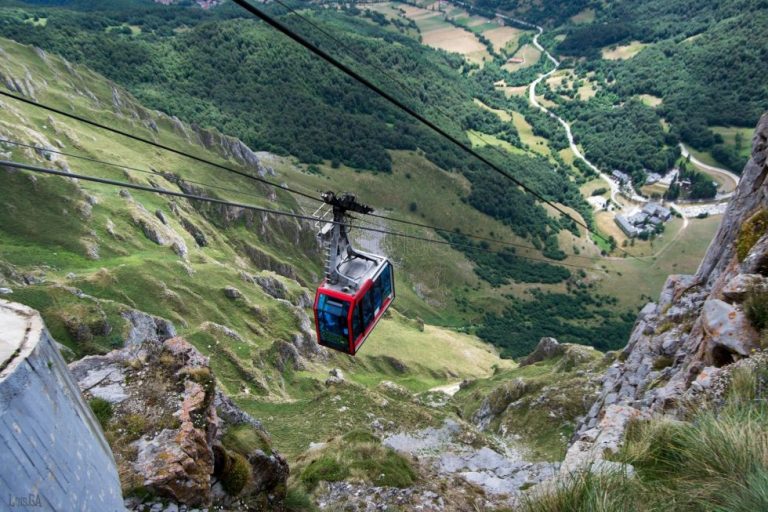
x,y
236,474
102,409
756,308
717,461
360,456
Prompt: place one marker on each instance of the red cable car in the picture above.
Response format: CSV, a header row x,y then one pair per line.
x,y
358,286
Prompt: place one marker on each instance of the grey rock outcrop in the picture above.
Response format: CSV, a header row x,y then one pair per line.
x,y
144,327
728,328
272,286
232,293
169,425
679,346
546,349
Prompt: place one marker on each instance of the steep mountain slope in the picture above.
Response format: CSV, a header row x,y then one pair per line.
x,y
235,283
109,267
685,401
285,100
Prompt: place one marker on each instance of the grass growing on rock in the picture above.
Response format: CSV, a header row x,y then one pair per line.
x,y
102,409
236,473
716,461
751,231
539,402
357,456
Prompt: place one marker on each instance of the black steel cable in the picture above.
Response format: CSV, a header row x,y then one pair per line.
x,y
125,167
240,192
105,181
157,145
405,108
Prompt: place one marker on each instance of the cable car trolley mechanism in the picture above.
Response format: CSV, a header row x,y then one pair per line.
x,y
358,286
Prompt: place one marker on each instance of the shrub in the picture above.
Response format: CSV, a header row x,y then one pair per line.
x,y
236,473
326,468
756,308
102,409
297,500
388,470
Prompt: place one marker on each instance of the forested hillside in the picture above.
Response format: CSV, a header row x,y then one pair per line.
x,y
704,61
243,78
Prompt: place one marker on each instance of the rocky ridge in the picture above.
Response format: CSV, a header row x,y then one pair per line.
x,y
684,343
174,435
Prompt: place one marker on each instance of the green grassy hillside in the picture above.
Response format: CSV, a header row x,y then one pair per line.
x,y
67,238
170,64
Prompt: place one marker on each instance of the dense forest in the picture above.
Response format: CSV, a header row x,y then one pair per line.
x,y
218,69
239,76
704,59
627,137
504,266
577,317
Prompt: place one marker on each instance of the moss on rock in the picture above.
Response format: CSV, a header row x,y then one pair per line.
x,y
751,231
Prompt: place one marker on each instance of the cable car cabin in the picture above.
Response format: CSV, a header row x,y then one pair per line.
x,y
344,317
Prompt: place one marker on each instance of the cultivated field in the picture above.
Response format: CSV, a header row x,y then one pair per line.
x,y
623,52
538,144
729,134
503,37
527,52
503,114
438,33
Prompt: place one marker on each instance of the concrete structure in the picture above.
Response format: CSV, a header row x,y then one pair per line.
x,y
621,177
626,227
656,210
53,455
652,178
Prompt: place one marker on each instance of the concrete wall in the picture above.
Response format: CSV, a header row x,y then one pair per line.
x,y
53,454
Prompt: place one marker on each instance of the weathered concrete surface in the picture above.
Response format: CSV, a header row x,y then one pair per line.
x,y
52,450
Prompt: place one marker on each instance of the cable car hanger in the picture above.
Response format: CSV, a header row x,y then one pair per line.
x,y
358,287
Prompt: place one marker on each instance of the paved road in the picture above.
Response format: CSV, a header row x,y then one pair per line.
x,y
711,169
614,186
686,211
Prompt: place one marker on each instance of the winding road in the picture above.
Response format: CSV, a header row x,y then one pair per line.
x,y
614,186
713,170
686,211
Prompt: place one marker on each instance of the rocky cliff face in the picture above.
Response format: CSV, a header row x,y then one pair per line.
x,y
174,435
700,326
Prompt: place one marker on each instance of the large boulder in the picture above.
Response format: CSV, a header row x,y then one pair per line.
x,y
546,349
728,330
740,286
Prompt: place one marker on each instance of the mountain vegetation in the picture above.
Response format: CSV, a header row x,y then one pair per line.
x,y
215,69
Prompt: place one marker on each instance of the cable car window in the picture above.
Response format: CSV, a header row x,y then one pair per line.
x,y
368,308
357,321
386,281
376,289
332,319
